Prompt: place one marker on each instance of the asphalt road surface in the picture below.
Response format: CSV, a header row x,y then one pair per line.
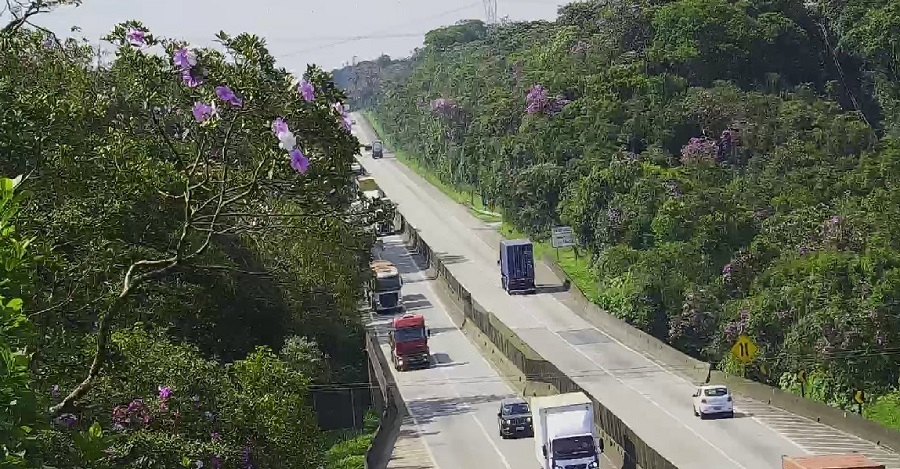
x,y
454,404
652,400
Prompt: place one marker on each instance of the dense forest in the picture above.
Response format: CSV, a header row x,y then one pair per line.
x,y
729,167
180,264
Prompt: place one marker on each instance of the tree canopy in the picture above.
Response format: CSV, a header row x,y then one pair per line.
x,y
180,263
729,167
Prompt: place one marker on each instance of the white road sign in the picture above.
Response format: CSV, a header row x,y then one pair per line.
x,y
563,236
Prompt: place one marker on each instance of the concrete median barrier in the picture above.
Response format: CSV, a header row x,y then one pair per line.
x,y
621,444
388,402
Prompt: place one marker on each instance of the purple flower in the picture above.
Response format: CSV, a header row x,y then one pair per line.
x,y
191,79
215,436
307,90
69,420
202,112
164,391
215,461
279,126
225,94
699,149
339,108
347,122
135,37
49,42
299,161
536,99
184,59
247,457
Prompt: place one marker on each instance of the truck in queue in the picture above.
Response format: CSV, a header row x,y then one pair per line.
x,y
377,149
830,461
384,289
564,433
409,342
517,266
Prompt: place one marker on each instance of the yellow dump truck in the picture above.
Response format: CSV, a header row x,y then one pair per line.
x,y
384,289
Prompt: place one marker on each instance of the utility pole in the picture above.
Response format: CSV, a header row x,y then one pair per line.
x,y
490,11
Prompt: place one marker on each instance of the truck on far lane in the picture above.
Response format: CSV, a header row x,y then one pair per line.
x,y
517,266
565,436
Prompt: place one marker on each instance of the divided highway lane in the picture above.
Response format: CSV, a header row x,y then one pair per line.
x,y
454,404
652,400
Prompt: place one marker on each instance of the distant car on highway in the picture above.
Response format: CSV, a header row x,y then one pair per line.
x,y
514,418
713,400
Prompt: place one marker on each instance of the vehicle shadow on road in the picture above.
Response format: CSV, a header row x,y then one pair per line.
x,y
415,301
429,410
442,360
450,259
551,288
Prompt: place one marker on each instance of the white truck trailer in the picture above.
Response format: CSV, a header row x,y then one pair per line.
x,y
564,433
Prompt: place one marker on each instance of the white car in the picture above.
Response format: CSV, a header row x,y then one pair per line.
x,y
712,400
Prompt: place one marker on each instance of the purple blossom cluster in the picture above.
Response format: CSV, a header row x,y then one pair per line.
x,y
539,101
186,61
737,327
127,416
447,108
699,149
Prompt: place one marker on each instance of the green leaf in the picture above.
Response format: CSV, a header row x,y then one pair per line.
x,y
96,431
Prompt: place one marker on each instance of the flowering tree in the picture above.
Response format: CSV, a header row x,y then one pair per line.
x,y
539,101
205,123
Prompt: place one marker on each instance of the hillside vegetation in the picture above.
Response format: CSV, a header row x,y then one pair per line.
x,y
728,167
179,271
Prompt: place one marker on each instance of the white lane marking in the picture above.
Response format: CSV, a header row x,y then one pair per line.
x,y
437,297
421,435
419,275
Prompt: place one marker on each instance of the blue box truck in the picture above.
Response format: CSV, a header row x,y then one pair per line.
x,y
517,266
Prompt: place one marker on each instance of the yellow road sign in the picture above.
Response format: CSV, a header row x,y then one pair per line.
x,y
744,349
802,376
860,397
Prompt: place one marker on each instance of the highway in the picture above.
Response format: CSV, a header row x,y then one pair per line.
x,y
454,404
653,401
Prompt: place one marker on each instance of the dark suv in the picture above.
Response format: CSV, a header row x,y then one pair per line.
x,y
514,418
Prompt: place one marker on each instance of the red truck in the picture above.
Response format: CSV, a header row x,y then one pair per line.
x,y
830,461
409,342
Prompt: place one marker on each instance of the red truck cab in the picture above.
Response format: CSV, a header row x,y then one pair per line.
x,y
409,342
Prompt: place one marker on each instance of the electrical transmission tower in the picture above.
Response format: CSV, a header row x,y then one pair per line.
x,y
490,11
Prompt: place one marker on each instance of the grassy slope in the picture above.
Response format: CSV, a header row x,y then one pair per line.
x,y
347,448
886,409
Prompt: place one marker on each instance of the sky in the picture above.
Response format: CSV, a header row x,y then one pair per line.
x,y
329,33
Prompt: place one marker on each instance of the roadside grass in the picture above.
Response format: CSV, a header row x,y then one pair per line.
x,y
578,269
347,448
885,410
